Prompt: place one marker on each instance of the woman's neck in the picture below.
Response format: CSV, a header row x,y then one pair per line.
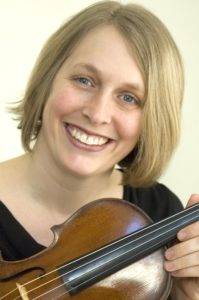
x,y
62,191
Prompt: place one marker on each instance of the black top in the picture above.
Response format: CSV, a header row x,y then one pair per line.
x,y
16,243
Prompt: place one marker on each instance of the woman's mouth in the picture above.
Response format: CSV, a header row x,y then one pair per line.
x,y
85,138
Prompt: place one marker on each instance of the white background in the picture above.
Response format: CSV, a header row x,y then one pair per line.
x,y
26,24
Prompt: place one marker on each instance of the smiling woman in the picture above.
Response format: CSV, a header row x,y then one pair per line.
x,y
146,166
95,107
100,119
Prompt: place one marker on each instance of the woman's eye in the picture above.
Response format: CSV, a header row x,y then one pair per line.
x,y
130,99
84,81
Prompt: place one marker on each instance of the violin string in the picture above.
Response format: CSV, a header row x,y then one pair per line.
x,y
50,291
92,260
9,293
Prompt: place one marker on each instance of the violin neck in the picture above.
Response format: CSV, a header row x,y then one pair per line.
x,y
109,259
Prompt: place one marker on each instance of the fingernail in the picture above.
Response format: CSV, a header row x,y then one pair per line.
x,y
169,266
169,254
182,235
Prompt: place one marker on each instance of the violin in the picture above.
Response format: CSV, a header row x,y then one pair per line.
x,y
109,249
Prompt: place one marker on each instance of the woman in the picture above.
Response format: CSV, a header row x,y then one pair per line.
x,y
100,118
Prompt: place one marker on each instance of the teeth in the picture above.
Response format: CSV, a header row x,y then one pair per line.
x,y
86,139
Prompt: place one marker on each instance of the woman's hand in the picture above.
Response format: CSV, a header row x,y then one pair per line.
x,y
182,260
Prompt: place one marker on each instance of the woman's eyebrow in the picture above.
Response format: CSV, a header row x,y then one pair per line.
x,y
88,67
127,85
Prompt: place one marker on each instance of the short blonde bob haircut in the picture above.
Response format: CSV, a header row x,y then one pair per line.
x,y
160,63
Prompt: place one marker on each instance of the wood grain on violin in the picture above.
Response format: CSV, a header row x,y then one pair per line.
x,y
109,249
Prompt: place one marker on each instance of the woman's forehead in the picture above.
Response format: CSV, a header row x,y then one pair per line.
x,y
105,51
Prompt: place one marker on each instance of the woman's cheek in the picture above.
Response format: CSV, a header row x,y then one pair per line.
x,y
130,126
64,102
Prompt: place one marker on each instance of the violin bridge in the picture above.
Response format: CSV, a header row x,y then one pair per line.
x,y
22,292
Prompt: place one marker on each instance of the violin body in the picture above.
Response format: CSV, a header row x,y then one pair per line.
x,y
93,226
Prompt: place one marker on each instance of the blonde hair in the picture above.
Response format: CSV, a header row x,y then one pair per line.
x,y
160,64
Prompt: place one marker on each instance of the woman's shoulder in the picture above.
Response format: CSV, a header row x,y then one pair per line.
x,y
157,200
4,165
9,177
8,167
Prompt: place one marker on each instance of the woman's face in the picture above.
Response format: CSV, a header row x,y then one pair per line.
x,y
92,118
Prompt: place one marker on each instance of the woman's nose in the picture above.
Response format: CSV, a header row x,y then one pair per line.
x,y
98,109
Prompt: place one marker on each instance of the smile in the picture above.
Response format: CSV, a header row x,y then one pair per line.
x,y
86,138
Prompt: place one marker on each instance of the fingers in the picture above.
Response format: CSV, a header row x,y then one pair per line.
x,y
193,200
183,258
190,272
182,249
189,232
184,266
